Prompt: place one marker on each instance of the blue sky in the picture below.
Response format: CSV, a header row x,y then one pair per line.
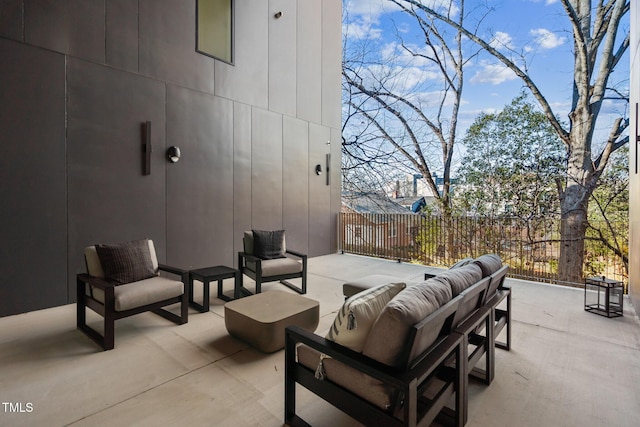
x,y
537,29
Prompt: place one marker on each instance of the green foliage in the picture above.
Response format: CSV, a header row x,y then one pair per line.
x,y
609,215
512,161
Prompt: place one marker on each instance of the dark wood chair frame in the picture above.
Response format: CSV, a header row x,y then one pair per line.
x,y
109,313
257,276
444,360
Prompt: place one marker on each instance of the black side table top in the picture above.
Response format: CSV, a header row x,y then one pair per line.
x,y
218,270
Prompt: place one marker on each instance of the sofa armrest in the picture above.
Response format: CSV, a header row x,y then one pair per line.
x,y
438,353
355,360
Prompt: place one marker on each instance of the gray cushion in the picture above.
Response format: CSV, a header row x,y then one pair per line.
x,y
462,263
268,244
126,262
388,335
143,292
460,278
489,264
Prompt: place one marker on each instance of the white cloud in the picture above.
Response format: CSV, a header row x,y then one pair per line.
x,y
500,40
493,73
547,39
362,29
370,8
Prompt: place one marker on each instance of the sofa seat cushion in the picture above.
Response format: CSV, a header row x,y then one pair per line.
x,y
388,335
459,278
489,264
356,316
143,292
368,388
277,267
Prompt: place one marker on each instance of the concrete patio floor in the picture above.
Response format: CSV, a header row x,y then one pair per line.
x,y
567,367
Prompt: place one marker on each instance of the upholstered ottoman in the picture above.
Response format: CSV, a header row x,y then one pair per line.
x,y
260,319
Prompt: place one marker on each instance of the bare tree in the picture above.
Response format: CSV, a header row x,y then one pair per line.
x,y
595,28
390,124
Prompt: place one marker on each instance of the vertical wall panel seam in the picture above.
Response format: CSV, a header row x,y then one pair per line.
x,y
66,170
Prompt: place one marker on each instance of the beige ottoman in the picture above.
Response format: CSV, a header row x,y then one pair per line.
x,y
260,319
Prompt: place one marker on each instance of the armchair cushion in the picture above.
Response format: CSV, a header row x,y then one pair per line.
x,y
358,313
388,334
143,292
269,244
126,262
277,266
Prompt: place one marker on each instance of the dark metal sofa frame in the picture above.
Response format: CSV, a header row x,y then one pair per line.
x,y
109,313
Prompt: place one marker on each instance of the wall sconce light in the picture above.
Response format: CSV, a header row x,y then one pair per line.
x,y
145,136
318,169
173,154
278,15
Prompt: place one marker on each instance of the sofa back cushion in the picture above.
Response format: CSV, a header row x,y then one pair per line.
x,y
489,264
122,262
460,278
387,339
358,313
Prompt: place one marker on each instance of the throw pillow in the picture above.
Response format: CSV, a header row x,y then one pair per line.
x,y
126,262
358,313
269,244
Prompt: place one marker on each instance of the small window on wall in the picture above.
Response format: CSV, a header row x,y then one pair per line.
x,y
214,29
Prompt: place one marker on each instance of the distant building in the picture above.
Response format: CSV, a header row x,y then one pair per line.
x,y
371,220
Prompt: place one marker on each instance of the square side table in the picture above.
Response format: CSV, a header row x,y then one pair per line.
x,y
209,274
603,296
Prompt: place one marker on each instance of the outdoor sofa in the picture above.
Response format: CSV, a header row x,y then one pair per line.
x,y
398,353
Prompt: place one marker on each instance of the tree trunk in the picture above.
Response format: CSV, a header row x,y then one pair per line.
x,y
574,199
572,230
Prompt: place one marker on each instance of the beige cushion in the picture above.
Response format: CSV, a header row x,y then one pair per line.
x,y
489,264
388,335
363,385
358,313
278,266
459,278
143,292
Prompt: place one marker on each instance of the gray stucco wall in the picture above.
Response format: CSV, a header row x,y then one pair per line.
x,y
77,79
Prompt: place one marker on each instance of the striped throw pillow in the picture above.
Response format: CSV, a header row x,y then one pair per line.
x,y
358,313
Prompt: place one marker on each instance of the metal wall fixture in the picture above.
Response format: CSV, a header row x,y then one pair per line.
x,y
278,15
145,136
318,169
173,154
